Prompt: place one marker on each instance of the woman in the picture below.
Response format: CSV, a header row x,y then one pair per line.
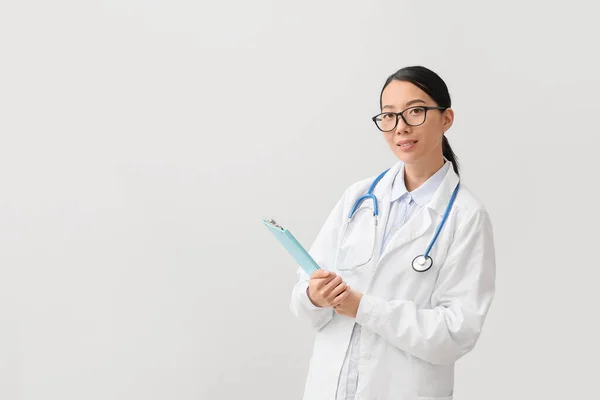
x,y
390,325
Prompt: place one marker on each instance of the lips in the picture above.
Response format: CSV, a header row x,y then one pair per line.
x,y
406,144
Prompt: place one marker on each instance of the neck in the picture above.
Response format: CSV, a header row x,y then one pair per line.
x,y
417,174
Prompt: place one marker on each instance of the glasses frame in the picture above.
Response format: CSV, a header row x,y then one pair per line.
x,y
401,114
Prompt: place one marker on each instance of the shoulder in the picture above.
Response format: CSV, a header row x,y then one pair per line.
x,y
384,180
467,200
358,188
469,210
361,185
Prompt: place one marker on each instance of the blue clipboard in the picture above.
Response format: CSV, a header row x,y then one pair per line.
x,y
289,242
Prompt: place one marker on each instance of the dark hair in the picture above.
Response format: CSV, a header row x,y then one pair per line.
x,y
431,83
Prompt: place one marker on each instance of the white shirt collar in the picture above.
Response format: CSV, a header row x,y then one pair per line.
x,y
423,193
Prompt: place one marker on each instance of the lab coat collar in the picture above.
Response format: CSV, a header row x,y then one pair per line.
x,y
441,198
418,225
438,201
423,194
383,189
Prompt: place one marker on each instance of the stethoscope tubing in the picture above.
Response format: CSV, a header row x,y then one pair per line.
x,y
426,260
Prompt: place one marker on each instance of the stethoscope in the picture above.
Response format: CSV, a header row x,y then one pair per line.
x,y
420,263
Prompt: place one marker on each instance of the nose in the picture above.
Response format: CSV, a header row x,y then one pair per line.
x,y
401,127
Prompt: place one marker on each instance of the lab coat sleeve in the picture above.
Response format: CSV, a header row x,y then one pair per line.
x,y
459,303
323,250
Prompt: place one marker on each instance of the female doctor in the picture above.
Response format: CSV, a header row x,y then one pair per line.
x,y
408,262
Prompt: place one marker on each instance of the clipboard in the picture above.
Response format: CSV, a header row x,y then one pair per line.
x,y
293,247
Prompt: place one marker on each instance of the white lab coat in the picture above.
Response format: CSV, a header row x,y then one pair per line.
x,y
415,326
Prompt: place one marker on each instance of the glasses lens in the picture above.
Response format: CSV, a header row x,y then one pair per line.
x,y
415,115
386,121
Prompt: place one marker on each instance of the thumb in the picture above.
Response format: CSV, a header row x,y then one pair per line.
x,y
320,273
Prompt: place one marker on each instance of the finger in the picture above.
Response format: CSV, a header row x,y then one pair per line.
x,y
339,301
320,283
336,291
332,284
320,273
324,279
341,297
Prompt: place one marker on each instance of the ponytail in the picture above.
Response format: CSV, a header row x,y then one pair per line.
x,y
449,154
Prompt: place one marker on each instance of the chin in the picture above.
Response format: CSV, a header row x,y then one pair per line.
x,y
406,158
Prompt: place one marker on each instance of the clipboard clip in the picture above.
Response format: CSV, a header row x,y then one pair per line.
x,y
274,223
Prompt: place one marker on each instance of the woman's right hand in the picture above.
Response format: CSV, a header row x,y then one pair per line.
x,y
326,289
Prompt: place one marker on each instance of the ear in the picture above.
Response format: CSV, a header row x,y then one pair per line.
x,y
447,119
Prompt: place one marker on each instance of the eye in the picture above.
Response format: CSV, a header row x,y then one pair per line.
x,y
416,111
388,116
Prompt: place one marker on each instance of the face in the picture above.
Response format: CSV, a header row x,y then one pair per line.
x,y
415,144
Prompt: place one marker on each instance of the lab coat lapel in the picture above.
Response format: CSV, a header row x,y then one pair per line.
x,y
421,222
383,192
442,196
414,227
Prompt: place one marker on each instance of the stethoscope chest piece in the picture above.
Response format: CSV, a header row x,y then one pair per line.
x,y
422,263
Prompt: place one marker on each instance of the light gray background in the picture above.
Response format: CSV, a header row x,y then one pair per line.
x,y
142,142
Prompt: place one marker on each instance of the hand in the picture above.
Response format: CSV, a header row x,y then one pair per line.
x,y
349,306
326,289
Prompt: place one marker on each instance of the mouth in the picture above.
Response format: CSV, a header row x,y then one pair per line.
x,y
406,144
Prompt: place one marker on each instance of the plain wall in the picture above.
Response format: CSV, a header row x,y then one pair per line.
x,y
141,143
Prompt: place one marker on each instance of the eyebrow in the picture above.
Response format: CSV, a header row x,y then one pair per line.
x,y
407,104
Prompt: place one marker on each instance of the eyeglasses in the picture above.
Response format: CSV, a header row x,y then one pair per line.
x,y
412,116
